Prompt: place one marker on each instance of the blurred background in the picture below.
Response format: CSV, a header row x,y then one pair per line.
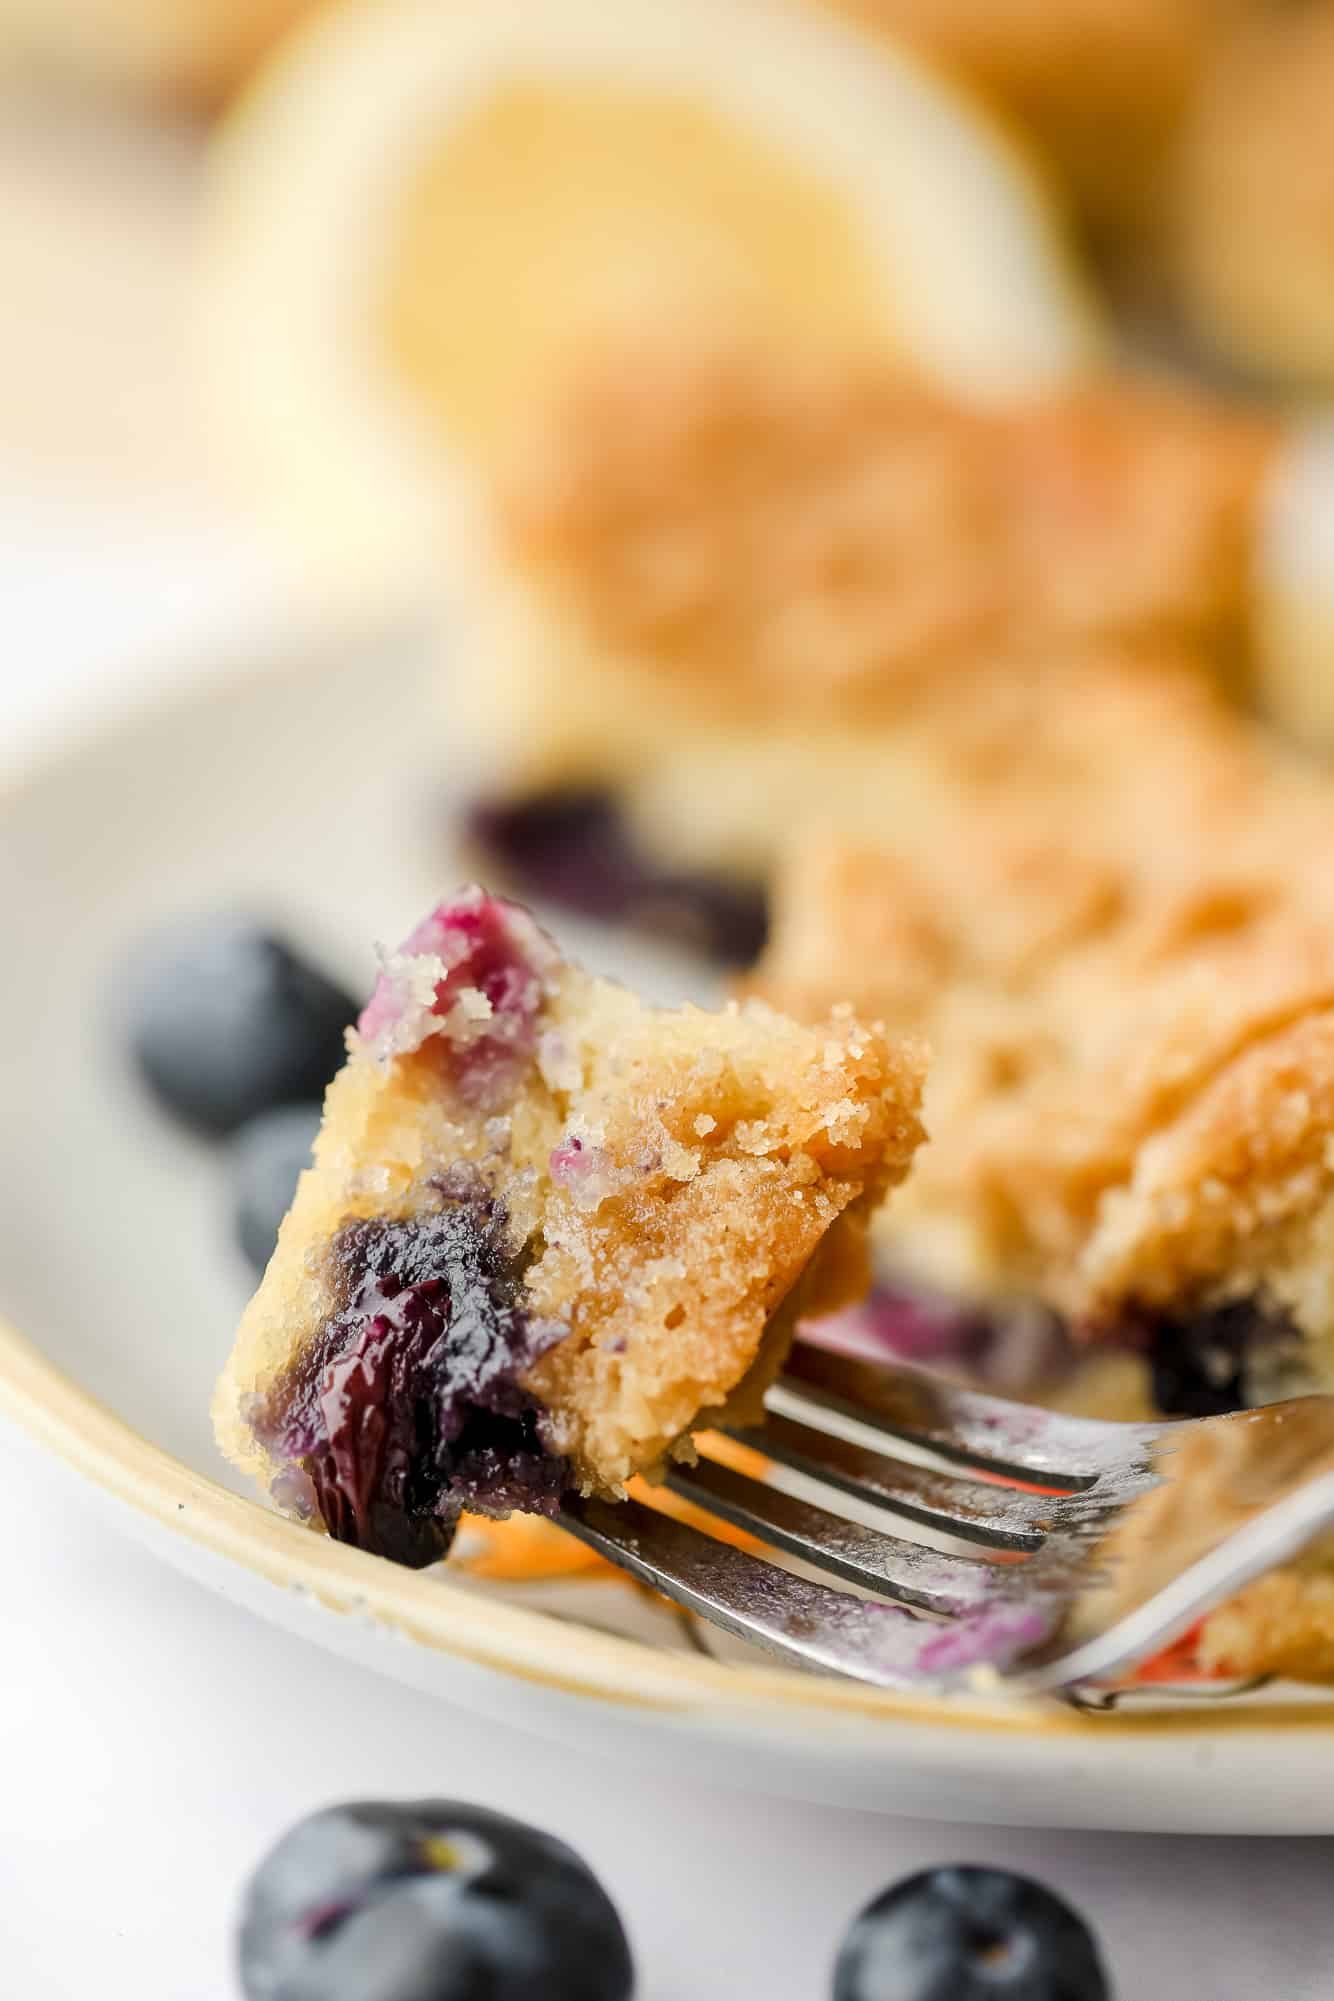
x,y
280,273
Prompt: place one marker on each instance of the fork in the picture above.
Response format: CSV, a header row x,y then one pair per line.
x,y
1024,1499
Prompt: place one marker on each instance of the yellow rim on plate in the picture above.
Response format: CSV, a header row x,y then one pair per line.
x,y
432,1611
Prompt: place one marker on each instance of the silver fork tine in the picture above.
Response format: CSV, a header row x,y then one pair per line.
x,y
957,1424
997,1516
804,1622
896,1648
884,1563
956,1618
1282,1532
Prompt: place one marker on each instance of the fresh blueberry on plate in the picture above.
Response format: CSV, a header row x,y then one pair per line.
x,y
227,1021
428,1900
267,1157
967,1934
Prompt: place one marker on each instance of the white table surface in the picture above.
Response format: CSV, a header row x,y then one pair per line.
x,y
153,1740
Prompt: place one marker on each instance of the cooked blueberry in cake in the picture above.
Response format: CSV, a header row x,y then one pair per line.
x,y
548,1232
576,849
427,1900
1017,1347
408,1407
267,1157
1221,1358
228,1020
969,1934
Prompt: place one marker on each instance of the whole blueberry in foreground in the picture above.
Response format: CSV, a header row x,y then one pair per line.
x,y
267,1157
428,1900
966,1934
227,1021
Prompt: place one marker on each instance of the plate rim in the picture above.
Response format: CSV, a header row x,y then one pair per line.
x,y
428,1608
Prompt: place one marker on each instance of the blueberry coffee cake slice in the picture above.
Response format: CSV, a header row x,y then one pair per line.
x,y
1128,990
715,586
549,1230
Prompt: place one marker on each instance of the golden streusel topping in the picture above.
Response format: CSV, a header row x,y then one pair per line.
x,y
829,534
1118,938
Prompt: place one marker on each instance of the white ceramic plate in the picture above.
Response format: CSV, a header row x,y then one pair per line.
x,y
317,789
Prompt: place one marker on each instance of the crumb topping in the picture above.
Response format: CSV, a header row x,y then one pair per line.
x,y
825,535
1122,954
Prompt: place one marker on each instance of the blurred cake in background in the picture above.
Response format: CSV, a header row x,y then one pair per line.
x,y
421,212
1118,939
180,52
720,587
424,223
1190,138
1100,87
1253,206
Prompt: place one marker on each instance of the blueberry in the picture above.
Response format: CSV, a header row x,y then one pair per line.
x,y
426,1349
428,1900
1220,1359
579,850
267,1157
967,1934
227,1022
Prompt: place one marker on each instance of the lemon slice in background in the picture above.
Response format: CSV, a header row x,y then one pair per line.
x,y
421,208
